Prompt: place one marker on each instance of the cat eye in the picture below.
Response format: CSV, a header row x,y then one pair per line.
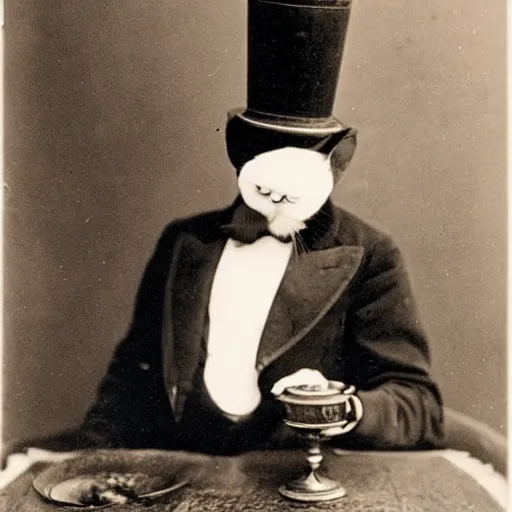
x,y
264,191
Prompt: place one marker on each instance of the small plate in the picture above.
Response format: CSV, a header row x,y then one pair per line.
x,y
116,476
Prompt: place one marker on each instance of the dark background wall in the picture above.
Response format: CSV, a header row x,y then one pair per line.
x,y
114,119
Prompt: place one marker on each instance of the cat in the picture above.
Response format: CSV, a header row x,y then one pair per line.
x,y
285,191
287,186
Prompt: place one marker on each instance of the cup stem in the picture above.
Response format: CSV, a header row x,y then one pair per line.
x,y
314,486
315,456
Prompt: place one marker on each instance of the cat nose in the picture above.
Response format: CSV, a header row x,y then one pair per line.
x,y
275,197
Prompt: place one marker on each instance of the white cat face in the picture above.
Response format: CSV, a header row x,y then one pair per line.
x,y
288,186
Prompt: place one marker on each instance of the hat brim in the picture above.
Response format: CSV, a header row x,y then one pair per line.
x,y
318,127
246,137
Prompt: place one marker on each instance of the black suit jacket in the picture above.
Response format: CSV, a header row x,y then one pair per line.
x,y
345,308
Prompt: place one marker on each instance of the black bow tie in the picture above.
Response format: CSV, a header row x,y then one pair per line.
x,y
248,225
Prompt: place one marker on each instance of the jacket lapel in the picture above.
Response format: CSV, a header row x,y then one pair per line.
x,y
312,283
185,312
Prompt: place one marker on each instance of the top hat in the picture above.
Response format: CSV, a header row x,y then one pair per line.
x,y
295,49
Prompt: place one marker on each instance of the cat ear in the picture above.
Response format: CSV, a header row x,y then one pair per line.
x,y
339,149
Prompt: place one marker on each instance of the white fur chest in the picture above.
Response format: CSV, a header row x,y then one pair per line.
x,y
245,284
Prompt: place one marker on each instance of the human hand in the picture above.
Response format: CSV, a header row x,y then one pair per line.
x,y
305,376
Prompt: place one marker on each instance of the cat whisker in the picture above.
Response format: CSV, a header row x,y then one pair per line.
x,y
295,242
298,240
302,243
295,247
291,229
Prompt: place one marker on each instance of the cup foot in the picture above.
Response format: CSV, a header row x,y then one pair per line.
x,y
313,487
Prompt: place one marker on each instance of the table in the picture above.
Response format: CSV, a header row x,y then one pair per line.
x,y
434,481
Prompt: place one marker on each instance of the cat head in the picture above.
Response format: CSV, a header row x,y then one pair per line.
x,y
244,141
287,186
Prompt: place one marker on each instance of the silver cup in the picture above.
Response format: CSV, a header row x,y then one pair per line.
x,y
312,411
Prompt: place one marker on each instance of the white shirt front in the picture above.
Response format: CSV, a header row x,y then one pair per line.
x,y
244,286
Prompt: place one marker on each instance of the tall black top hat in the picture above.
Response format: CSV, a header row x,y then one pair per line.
x,y
295,49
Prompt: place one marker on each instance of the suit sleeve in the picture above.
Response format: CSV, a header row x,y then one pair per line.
x,y
389,359
131,408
